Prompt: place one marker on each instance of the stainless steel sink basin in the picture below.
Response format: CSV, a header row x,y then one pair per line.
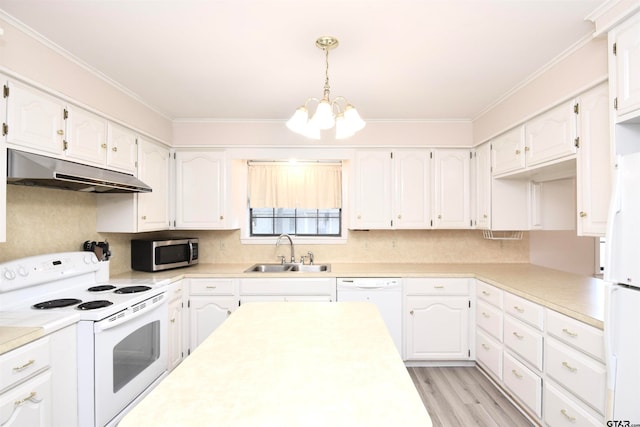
x,y
288,267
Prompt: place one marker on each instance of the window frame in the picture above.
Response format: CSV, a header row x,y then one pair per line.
x,y
295,219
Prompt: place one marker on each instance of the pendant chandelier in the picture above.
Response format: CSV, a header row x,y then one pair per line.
x,y
328,113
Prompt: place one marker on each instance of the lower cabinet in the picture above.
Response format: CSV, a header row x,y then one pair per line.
x,y
525,383
288,289
211,301
176,325
437,319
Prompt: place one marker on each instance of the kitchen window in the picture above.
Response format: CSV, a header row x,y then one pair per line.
x,y
301,198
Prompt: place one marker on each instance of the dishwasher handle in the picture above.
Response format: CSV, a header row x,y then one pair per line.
x,y
368,283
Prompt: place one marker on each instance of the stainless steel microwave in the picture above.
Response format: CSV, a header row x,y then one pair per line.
x,y
159,254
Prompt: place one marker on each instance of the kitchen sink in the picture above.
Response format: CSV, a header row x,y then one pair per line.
x,y
288,267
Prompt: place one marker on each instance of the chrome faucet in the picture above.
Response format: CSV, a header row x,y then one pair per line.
x,y
293,255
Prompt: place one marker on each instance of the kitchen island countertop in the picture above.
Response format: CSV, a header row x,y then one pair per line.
x,y
577,296
289,364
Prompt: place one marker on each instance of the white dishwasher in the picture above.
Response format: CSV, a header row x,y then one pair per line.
x,y
385,293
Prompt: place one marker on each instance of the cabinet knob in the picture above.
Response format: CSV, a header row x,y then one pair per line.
x,y
114,149
518,152
144,217
173,320
526,149
399,216
583,214
60,132
228,312
221,216
411,312
439,216
359,216
485,216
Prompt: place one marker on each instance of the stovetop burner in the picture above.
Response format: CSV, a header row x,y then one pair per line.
x,y
57,303
132,289
92,305
101,288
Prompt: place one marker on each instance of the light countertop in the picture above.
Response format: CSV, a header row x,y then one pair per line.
x,y
15,336
580,297
289,364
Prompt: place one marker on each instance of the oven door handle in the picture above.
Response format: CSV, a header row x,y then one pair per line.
x,y
128,314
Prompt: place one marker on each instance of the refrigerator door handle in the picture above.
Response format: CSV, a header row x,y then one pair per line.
x,y
609,355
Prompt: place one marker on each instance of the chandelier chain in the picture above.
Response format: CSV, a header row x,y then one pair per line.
x,y
326,74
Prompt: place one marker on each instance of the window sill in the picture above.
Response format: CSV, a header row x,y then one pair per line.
x,y
297,240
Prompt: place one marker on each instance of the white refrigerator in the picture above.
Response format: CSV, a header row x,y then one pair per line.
x,y
622,271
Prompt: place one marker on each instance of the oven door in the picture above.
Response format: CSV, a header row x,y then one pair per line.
x,y
130,354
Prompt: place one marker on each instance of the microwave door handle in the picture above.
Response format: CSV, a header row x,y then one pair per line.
x,y
190,252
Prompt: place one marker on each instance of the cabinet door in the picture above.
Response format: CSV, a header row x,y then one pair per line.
x,y
483,187
122,149
3,177
593,168
507,151
153,208
551,135
35,120
372,190
412,189
175,332
200,190
437,328
86,137
28,404
627,63
452,189
206,314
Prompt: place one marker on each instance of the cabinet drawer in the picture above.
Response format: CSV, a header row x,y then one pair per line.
x,y
489,318
288,286
527,311
175,291
577,372
575,333
431,286
525,341
212,287
489,353
24,361
562,411
524,383
489,293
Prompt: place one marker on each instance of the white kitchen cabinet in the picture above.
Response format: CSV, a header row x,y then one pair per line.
x,y
626,63
593,167
28,404
201,190
482,196
524,383
132,213
211,302
561,410
86,137
437,319
122,149
176,324
489,353
372,190
551,135
35,120
553,204
392,190
412,189
316,289
452,193
507,151
3,174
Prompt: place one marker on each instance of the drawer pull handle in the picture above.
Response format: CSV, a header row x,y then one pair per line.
x,y
485,315
486,347
173,320
516,373
211,287
439,286
569,417
486,293
517,335
25,366
518,309
228,312
30,398
569,367
568,332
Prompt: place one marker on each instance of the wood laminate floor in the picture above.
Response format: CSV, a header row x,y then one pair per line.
x,y
464,397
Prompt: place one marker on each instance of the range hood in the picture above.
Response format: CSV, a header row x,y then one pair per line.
x,y
41,171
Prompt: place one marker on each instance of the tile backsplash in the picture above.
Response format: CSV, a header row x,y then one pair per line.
x,y
41,220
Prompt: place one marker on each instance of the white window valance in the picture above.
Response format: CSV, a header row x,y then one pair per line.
x,y
297,185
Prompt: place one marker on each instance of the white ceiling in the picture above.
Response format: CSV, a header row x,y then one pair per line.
x,y
256,59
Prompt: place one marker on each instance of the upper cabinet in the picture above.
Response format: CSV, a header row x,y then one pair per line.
x,y
3,176
625,52
35,120
201,198
551,135
122,149
452,193
507,151
132,213
86,139
482,180
594,166
392,190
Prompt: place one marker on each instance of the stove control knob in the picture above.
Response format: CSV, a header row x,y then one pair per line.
x,y
23,271
9,274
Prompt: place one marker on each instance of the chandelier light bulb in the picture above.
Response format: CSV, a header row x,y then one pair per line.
x,y
324,118
298,122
